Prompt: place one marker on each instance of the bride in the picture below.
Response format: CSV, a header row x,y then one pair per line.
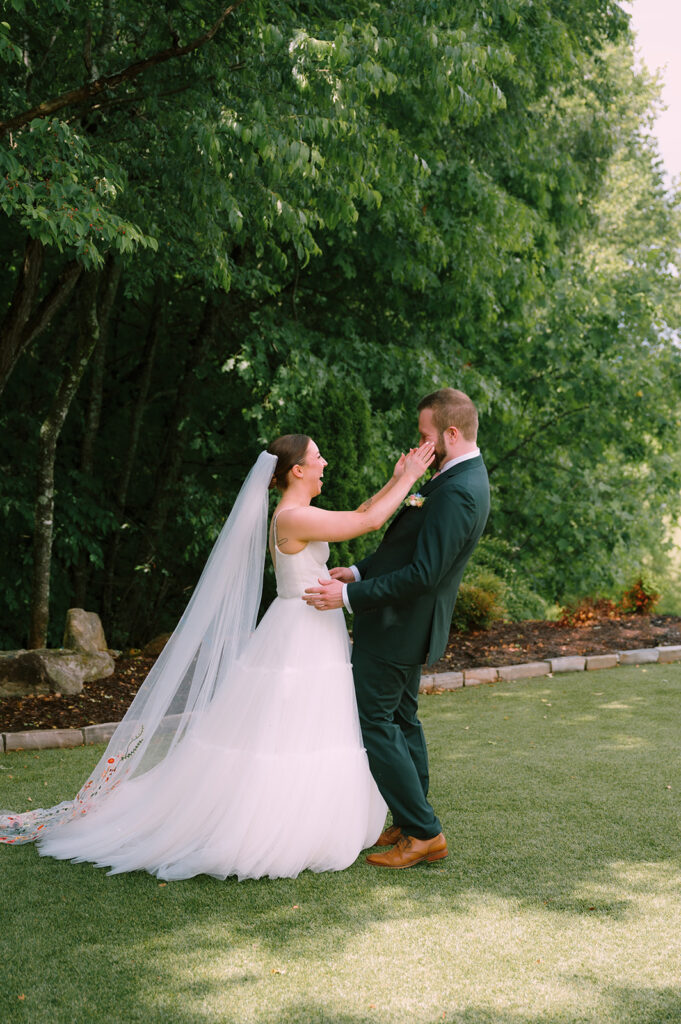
x,y
241,753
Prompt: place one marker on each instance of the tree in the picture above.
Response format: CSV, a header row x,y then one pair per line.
x,y
366,201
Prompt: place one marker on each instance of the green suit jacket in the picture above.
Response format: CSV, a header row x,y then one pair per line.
x,y
404,602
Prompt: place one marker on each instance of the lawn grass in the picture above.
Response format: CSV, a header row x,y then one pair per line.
x,y
560,900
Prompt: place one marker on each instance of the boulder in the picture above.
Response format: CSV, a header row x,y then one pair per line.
x,y
84,631
22,672
51,671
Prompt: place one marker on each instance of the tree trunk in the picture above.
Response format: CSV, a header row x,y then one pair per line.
x,y
23,322
170,464
148,359
94,413
50,430
23,301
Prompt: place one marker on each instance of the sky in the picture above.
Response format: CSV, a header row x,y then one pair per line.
x,y
657,24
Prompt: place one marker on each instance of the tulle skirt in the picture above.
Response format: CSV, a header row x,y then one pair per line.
x,y
271,780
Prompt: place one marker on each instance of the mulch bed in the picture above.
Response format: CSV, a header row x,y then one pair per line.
x,y
512,643
505,643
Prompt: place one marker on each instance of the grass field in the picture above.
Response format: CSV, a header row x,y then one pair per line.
x,y
560,900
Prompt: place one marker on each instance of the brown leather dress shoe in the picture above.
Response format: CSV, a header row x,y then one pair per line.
x,y
409,851
389,837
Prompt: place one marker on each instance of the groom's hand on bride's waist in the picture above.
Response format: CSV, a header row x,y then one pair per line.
x,y
329,594
343,574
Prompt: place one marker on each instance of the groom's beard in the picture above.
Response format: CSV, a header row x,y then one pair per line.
x,y
440,454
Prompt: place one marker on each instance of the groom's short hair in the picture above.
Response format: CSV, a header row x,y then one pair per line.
x,y
452,408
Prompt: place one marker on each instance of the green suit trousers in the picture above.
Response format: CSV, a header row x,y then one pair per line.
x,y
387,700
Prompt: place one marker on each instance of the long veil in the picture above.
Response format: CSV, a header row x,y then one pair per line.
x,y
194,666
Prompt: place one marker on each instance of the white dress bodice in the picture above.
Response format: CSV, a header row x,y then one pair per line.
x,y
295,573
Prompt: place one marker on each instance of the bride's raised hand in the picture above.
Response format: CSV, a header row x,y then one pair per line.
x,y
399,466
419,459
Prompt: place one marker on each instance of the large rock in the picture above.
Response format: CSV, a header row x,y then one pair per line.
x,y
51,671
84,631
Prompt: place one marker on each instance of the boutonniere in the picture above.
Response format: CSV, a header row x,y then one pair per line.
x,y
415,500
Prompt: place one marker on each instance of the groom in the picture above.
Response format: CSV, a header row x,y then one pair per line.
x,y
402,598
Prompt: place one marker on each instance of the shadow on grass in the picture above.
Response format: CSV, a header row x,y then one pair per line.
x,y
168,952
629,1005
546,816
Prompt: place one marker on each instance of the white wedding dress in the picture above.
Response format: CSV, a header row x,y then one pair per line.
x,y
269,779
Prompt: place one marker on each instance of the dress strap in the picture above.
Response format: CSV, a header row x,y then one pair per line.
x,y
274,524
275,537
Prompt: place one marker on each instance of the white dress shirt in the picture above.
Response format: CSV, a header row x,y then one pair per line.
x,y
443,469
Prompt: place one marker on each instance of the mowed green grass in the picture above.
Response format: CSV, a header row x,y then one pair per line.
x,y
560,900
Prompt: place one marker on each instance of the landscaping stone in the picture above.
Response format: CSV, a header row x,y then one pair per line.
x,y
571,663
532,668
51,671
43,739
441,681
476,676
101,733
22,672
84,631
68,670
644,656
669,654
596,661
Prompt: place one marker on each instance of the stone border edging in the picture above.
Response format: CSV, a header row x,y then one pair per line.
x,y
431,682
46,739
439,681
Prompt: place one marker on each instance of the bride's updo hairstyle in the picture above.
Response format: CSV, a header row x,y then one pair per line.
x,y
290,450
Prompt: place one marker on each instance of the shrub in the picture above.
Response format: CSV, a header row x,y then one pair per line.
x,y
480,602
640,598
520,600
581,611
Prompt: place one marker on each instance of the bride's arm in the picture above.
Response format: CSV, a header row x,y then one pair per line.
x,y
305,524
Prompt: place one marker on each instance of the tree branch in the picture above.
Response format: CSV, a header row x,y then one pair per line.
x,y
92,89
13,326
55,298
87,51
534,435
